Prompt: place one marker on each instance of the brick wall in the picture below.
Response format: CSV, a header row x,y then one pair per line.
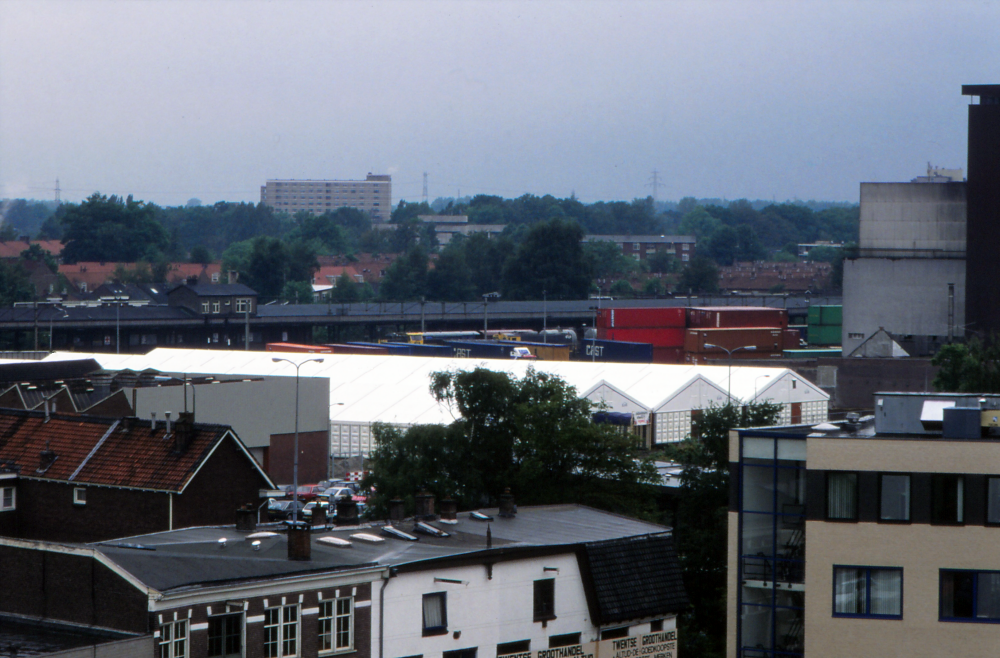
x,y
254,634
71,588
314,454
226,481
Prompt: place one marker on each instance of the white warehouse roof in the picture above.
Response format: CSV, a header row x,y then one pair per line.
x,y
396,389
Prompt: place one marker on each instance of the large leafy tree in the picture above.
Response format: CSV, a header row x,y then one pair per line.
x,y
700,275
550,258
111,229
533,435
14,284
451,278
973,367
406,278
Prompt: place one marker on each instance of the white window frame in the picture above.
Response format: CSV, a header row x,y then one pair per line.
x,y
204,307
174,641
288,636
335,617
79,496
4,493
216,307
242,304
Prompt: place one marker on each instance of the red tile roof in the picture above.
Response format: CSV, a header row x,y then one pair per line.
x,y
13,248
113,452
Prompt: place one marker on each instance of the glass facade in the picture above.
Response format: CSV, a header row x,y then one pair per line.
x,y
772,547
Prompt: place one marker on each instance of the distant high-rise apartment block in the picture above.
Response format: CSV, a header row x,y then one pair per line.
x,y
372,195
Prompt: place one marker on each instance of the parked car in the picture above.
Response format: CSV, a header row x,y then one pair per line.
x,y
281,510
336,493
323,506
308,492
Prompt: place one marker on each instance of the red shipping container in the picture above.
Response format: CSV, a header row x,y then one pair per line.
x,y
664,337
762,339
294,347
642,318
721,317
668,355
792,339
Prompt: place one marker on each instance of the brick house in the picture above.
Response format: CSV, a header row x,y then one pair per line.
x,y
214,300
88,478
483,584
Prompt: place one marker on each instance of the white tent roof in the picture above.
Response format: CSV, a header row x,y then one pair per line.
x,y
396,389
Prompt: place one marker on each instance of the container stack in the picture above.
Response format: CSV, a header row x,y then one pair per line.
x,y
747,332
824,325
663,328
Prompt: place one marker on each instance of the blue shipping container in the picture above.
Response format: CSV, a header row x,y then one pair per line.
x,y
616,351
479,349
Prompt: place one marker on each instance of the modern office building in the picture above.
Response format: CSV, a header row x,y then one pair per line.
x,y
982,267
872,537
372,195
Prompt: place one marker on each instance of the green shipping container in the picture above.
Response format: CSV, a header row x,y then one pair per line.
x,y
811,354
824,334
826,315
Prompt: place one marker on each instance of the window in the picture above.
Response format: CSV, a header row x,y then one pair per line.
x,y
947,499
216,307
435,614
508,648
174,639
79,496
567,640
970,595
336,625
281,631
460,653
614,633
215,275
868,592
842,496
993,500
545,599
894,497
242,305
204,307
656,626
8,499
225,635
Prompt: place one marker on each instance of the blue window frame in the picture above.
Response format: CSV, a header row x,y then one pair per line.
x,y
970,596
872,592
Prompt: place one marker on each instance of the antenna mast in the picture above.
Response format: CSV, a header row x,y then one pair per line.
x,y
58,200
425,187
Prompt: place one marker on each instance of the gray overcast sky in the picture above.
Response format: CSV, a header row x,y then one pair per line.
x,y
208,99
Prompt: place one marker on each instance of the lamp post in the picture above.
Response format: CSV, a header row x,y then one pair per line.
x,y
295,460
757,379
52,317
486,301
729,353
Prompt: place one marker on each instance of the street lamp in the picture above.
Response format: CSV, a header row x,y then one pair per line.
x,y
729,353
295,460
757,379
52,317
486,301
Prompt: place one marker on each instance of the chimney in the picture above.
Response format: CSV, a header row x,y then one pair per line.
x,y
449,509
183,431
318,517
397,510
246,519
507,508
166,414
192,281
232,276
152,421
347,512
299,541
45,404
425,506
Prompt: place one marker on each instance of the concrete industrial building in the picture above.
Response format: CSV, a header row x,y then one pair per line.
x,y
372,195
909,275
830,524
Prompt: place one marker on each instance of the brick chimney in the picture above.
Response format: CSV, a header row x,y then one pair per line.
x,y
183,432
299,541
347,512
507,508
449,509
397,510
246,519
425,506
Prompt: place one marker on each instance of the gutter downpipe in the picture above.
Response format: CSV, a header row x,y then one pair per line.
x,y
381,614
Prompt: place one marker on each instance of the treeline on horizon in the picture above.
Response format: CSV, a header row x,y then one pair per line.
x,y
539,250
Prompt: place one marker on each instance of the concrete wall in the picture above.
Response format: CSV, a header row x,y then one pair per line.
x,y
254,409
907,216
903,296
